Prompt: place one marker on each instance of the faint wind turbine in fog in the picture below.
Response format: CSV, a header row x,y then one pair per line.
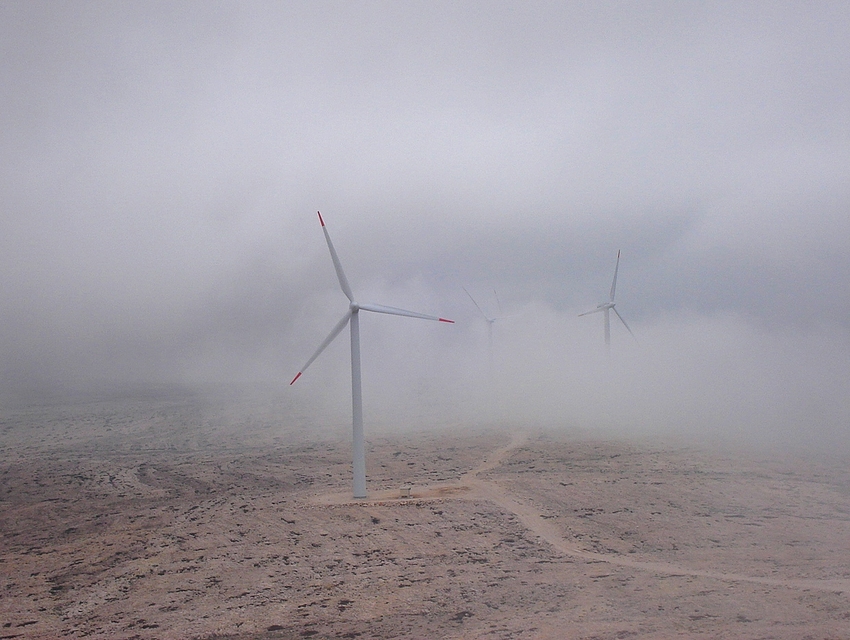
x,y
490,322
606,307
352,317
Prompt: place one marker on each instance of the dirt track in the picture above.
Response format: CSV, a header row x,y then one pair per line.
x,y
181,526
532,519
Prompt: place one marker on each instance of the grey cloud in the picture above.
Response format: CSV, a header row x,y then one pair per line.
x,y
162,165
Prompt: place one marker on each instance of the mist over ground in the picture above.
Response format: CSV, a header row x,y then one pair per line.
x,y
162,166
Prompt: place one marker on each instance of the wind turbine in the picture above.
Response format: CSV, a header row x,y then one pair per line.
x,y
605,307
490,321
352,318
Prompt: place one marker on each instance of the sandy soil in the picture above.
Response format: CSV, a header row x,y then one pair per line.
x,y
155,519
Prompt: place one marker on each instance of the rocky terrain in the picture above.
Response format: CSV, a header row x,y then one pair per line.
x,y
157,519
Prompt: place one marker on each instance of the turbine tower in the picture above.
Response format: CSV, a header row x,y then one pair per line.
x,y
352,318
606,307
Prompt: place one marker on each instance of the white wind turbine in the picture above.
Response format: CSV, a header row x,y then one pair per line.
x,y
352,317
606,307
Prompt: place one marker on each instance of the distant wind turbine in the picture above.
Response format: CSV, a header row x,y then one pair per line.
x,y
490,322
352,317
605,307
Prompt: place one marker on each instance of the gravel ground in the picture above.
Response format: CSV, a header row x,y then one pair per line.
x,y
155,519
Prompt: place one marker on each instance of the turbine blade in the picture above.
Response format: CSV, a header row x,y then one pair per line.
x,y
343,281
498,302
393,311
333,334
614,283
587,313
476,305
614,309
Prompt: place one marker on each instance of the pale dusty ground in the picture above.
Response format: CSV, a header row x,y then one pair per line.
x,y
156,519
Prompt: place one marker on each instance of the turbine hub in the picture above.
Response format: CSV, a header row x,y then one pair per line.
x,y
354,307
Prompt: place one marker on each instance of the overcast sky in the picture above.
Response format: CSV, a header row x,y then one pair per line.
x,y
161,165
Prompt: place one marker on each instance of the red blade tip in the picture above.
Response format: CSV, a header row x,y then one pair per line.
x,y
320,218
446,320
295,378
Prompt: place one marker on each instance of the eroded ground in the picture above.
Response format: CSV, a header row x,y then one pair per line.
x,y
155,520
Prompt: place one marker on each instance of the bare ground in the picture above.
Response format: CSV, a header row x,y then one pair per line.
x,y
157,520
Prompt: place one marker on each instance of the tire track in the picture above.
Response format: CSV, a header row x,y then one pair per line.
x,y
529,516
